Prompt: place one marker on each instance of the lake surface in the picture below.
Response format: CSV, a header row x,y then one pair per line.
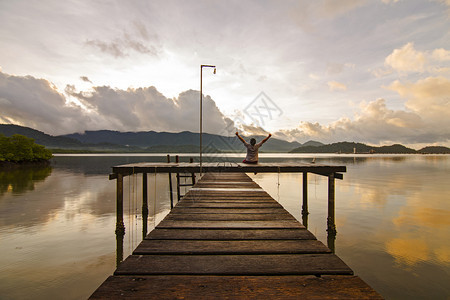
x,y
392,215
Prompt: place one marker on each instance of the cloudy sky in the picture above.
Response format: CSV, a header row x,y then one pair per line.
x,y
373,71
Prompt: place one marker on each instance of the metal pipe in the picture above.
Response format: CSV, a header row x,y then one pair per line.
x,y
201,109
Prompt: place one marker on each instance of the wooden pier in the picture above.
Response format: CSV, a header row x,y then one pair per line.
x,y
332,172
228,239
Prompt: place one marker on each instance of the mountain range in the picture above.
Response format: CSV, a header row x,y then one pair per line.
x,y
145,141
188,142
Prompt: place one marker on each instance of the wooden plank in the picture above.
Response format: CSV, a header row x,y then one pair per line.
x,y
227,189
224,197
230,234
205,247
229,224
284,264
235,287
220,204
226,186
229,210
230,217
225,182
219,200
228,192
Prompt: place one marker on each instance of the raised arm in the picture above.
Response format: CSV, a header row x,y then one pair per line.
x,y
242,140
265,140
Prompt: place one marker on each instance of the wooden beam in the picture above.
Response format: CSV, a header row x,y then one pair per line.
x,y
336,175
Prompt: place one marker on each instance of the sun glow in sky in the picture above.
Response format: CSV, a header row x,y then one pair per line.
x,y
374,71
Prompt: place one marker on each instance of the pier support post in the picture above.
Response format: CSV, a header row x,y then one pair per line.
x,y
144,204
120,227
170,184
331,225
177,160
305,194
144,194
191,160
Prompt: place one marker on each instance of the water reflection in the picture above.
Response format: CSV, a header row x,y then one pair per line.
x,y
119,248
22,179
56,226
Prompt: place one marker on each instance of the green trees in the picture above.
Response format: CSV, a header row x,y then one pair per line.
x,y
19,148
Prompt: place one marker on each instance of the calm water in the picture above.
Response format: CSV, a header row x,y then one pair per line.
x,y
392,214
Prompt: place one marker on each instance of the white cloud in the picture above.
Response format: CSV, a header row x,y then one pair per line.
x,y
446,2
314,76
375,123
429,98
336,86
406,59
306,13
333,8
441,54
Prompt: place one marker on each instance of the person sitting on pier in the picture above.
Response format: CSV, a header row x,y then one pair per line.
x,y
252,149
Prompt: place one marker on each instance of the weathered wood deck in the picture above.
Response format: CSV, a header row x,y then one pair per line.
x,y
228,239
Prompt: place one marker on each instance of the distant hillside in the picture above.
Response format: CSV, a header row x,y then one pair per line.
x,y
146,139
312,143
150,141
61,142
40,137
434,150
180,149
349,147
183,142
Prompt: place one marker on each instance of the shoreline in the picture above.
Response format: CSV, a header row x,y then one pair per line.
x,y
14,165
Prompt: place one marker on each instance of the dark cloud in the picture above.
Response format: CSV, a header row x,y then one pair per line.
x,y
85,79
36,103
148,109
112,48
137,40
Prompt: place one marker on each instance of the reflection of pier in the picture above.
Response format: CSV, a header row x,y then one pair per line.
x,y
227,238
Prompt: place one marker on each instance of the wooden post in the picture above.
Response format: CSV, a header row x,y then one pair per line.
x,y
144,194
331,226
144,204
305,194
120,227
170,185
178,179
191,160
